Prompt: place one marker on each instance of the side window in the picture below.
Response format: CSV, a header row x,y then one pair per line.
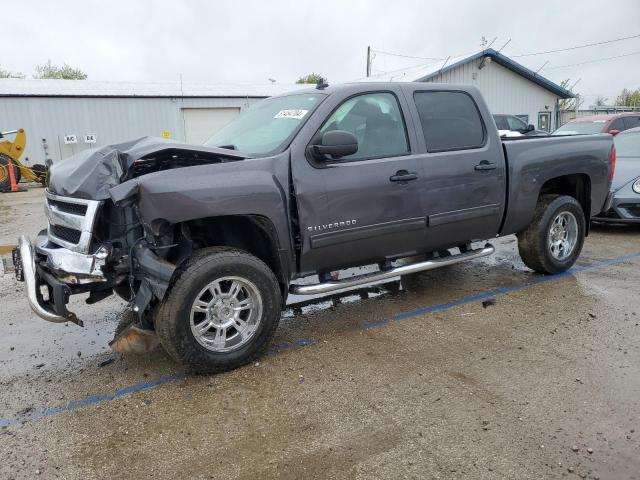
x,y
376,121
516,124
450,121
631,122
501,122
617,124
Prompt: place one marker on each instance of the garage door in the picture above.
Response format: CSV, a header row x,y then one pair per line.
x,y
201,123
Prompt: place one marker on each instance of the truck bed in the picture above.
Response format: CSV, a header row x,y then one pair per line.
x,y
532,162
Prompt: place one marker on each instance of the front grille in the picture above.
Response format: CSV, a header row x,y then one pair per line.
x,y
67,234
71,221
73,208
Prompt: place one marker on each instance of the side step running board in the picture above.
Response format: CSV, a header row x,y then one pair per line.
x,y
319,288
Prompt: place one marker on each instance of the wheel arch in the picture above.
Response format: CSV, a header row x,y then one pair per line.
x,y
576,185
525,197
255,234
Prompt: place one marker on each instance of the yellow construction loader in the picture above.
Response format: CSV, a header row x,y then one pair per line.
x,y
13,150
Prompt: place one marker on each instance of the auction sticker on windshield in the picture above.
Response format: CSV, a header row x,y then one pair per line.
x,y
296,113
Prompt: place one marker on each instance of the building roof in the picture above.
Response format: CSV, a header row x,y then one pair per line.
x,y
12,87
422,73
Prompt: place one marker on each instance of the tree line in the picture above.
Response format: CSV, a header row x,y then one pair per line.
x,y
49,70
626,98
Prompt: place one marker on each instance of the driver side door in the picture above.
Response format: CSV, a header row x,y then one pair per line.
x,y
365,207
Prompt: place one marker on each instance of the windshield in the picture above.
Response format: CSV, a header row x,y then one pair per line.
x,y
266,126
580,128
627,145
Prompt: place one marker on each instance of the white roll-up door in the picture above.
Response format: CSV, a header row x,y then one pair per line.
x,y
201,123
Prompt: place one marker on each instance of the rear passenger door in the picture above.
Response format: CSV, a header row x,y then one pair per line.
x,y
463,167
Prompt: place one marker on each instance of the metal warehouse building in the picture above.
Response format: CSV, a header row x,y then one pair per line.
x,y
62,117
507,86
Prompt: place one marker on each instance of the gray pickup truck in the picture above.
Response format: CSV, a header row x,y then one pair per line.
x,y
206,242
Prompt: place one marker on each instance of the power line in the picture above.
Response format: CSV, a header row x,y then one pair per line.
x,y
594,61
577,47
404,56
604,42
411,67
416,66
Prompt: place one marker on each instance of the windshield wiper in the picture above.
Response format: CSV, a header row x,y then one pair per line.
x,y
228,147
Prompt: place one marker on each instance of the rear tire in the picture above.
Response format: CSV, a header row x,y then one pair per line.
x,y
553,240
221,312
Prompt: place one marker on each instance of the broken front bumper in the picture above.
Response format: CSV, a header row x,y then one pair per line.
x,y
75,269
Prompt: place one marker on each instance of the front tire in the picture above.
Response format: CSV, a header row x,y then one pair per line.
x,y
221,312
553,240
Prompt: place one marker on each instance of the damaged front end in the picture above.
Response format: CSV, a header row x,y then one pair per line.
x,y
98,246
89,247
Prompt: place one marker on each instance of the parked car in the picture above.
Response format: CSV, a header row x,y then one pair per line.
x,y
206,242
624,203
511,126
612,124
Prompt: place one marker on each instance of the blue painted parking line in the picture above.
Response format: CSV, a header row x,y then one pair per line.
x,y
505,290
90,400
302,342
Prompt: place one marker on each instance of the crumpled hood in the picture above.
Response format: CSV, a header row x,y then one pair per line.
x,y
91,173
627,170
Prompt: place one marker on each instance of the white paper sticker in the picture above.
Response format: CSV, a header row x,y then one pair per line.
x,y
70,138
297,114
90,138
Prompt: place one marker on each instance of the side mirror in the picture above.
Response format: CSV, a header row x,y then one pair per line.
x,y
530,128
336,144
613,132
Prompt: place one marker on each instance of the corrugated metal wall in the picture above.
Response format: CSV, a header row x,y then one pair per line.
x,y
112,120
504,90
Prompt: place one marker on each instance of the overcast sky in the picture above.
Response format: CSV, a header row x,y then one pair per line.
x,y
242,41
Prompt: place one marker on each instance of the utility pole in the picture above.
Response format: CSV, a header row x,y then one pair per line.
x,y
368,61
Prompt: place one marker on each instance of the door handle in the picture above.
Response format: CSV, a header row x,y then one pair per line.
x,y
484,165
403,176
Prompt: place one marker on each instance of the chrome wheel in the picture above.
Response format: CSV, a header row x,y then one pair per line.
x,y
226,314
563,235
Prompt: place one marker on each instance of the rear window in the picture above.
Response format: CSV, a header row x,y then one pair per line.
x,y
631,122
580,128
617,124
450,121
